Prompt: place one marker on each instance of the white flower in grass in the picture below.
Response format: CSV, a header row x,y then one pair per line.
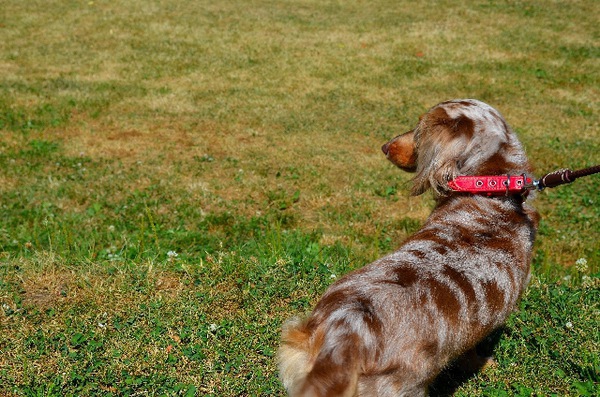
x,y
213,327
581,265
569,325
333,276
172,254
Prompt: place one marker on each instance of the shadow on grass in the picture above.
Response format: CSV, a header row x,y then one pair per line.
x,y
447,382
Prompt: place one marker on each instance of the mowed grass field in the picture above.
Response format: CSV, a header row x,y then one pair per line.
x,y
178,178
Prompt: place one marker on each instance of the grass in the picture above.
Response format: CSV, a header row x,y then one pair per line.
x,y
178,179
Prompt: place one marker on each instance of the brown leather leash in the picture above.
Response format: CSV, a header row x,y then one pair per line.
x,y
561,177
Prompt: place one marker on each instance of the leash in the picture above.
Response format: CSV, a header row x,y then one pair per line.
x,y
506,185
561,177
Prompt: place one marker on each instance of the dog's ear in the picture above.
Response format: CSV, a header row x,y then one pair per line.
x,y
439,162
456,144
442,151
401,151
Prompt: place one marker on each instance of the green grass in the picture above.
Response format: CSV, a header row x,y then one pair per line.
x,y
178,179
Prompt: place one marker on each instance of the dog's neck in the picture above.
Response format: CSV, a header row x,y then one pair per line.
x,y
514,200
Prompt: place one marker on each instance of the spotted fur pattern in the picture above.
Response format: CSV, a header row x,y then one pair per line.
x,y
389,328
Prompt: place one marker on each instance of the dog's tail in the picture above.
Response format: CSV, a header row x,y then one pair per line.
x,y
293,356
317,364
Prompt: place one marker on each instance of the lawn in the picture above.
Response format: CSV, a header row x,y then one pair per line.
x,y
178,178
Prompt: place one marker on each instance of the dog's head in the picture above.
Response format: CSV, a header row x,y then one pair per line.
x,y
454,138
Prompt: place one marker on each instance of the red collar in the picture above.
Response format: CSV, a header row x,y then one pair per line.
x,y
495,185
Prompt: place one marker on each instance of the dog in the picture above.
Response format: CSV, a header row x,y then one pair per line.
x,y
389,328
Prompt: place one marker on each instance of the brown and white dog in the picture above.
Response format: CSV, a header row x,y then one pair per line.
x,y
389,328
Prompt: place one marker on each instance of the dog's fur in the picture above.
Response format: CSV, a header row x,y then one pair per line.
x,y
389,328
